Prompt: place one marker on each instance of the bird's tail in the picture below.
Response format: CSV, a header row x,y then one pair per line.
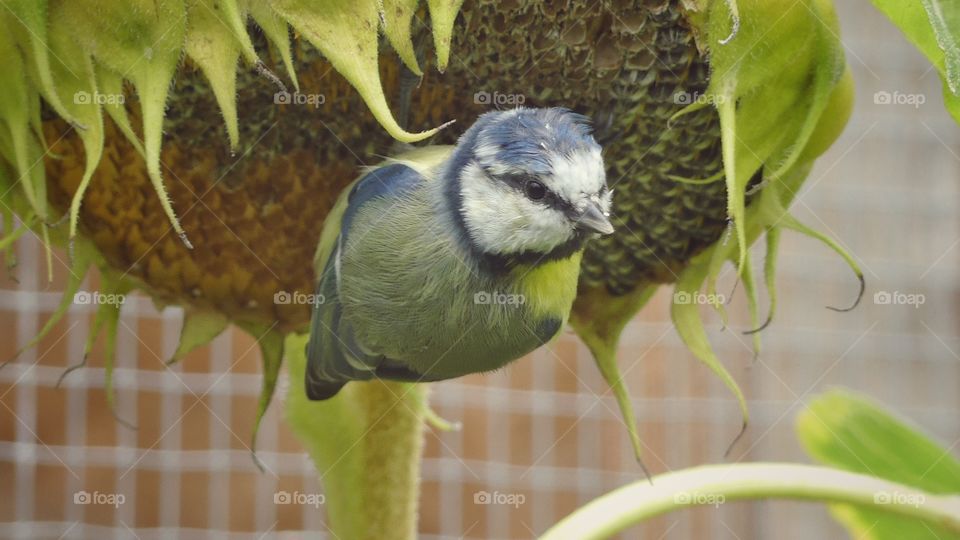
x,y
319,390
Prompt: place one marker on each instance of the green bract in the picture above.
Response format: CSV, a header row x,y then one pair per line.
x,y
783,95
74,53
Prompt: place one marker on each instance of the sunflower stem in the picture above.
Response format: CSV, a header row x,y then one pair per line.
x,y
366,444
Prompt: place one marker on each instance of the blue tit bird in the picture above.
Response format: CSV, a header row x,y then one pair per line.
x,y
448,261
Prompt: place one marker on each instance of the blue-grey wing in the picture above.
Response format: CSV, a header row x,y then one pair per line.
x,y
334,356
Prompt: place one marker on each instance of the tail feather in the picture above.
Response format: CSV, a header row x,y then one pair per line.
x,y
322,390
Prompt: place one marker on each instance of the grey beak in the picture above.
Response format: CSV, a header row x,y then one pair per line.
x,y
593,220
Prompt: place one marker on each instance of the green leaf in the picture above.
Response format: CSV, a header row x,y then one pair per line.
x,y
689,325
126,38
84,255
108,316
933,26
770,275
18,145
443,13
849,431
785,113
214,40
774,65
790,222
596,334
7,241
397,16
271,351
112,84
276,30
945,19
76,83
99,320
750,290
346,32
199,328
27,19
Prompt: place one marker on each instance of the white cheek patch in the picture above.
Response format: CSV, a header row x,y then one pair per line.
x,y
577,175
502,220
545,228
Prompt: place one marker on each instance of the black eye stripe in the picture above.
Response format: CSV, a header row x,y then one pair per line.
x,y
519,182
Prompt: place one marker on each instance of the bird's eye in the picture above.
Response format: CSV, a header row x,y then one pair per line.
x,y
535,190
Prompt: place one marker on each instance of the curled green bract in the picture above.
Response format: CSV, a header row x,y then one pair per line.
x,y
782,95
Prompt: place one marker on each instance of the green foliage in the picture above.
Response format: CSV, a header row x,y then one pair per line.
x,y
347,33
215,38
783,95
849,431
933,26
76,55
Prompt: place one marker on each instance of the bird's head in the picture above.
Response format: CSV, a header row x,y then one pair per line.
x,y
529,183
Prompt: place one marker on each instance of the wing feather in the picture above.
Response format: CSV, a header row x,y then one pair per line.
x,y
334,355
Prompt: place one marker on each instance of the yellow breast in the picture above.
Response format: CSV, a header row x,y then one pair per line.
x,y
549,288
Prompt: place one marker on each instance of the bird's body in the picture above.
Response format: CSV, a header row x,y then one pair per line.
x,y
483,323
457,260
